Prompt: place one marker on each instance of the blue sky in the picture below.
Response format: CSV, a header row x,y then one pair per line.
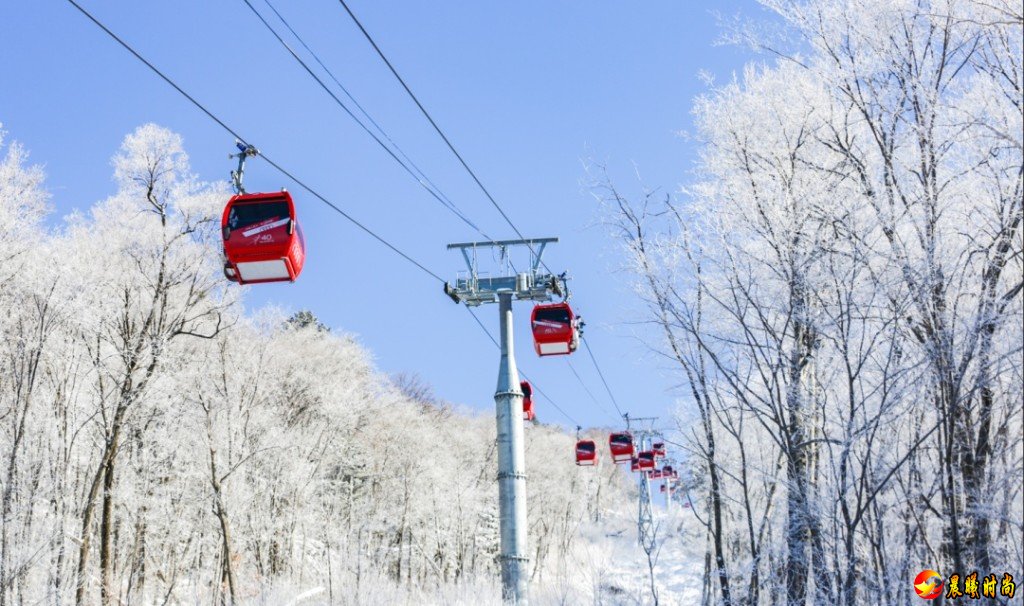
x,y
526,91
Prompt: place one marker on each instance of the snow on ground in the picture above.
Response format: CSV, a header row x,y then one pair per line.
x,y
605,567
613,568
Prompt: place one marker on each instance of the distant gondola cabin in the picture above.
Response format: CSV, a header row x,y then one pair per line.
x,y
621,445
586,452
528,414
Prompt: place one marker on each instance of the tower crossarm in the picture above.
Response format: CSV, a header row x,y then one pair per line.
x,y
474,287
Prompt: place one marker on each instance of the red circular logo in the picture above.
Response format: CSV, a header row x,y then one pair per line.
x,y
928,584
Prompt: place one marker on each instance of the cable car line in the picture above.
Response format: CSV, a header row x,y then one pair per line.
x,y
644,462
420,177
535,387
601,374
317,194
442,200
437,128
242,139
158,72
587,389
419,172
286,172
462,161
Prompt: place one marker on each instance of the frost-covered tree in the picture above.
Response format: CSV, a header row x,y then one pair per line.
x,y
158,444
841,290
144,260
27,288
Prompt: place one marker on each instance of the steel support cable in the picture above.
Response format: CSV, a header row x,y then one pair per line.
x,y
472,174
462,161
419,172
420,176
309,189
355,222
291,176
601,374
447,204
423,179
587,389
242,139
535,387
437,128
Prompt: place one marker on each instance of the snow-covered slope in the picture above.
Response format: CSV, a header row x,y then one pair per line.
x,y
604,567
608,566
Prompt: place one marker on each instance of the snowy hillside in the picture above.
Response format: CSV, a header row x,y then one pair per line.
x,y
613,569
829,294
605,567
160,444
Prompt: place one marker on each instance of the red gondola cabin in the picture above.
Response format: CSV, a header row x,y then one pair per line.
x,y
645,460
659,449
586,452
262,239
621,445
555,329
528,414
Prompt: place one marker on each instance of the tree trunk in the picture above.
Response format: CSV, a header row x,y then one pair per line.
x,y
225,526
976,476
800,517
5,521
107,592
951,467
225,531
109,453
85,540
796,529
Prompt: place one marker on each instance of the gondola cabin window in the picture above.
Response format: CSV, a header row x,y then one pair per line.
x,y
244,216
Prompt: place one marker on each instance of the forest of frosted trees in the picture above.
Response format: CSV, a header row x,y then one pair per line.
x,y
839,291
835,292
153,451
